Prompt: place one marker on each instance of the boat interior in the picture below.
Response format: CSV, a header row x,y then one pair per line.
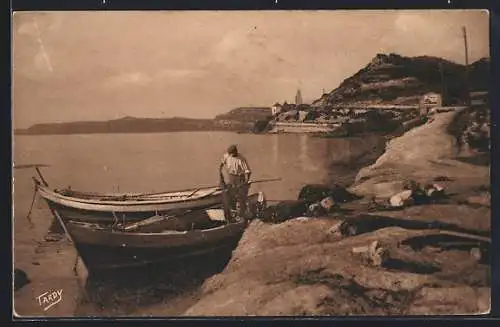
x,y
192,220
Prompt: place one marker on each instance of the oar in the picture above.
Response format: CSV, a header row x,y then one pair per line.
x,y
194,190
203,187
265,180
30,166
192,193
212,186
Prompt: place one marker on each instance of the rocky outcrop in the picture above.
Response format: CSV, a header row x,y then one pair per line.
x,y
20,279
402,80
312,193
472,129
478,75
246,114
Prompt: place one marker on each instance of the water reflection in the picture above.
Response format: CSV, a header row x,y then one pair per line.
x,y
347,156
136,291
275,149
305,159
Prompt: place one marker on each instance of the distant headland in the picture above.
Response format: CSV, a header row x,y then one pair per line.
x,y
389,82
239,119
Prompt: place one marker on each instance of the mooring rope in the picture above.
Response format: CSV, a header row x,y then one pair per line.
x,y
32,205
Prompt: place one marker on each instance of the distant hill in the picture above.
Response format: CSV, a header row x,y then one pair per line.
x,y
132,125
395,79
246,114
479,72
236,120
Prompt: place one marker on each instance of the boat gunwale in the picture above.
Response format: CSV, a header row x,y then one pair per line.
x,y
125,194
57,196
88,226
185,198
135,208
169,239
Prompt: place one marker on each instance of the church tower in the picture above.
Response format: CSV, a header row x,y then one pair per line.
x,y
298,98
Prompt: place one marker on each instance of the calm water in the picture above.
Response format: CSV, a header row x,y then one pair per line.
x,y
169,161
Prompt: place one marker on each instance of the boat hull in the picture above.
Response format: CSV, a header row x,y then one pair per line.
x,y
103,259
103,250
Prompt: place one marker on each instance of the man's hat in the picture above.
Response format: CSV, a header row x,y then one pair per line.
x,y
232,149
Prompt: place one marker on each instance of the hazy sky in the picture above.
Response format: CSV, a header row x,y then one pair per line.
x,y
105,65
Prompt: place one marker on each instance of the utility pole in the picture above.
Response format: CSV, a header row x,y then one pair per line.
x,y
466,46
466,77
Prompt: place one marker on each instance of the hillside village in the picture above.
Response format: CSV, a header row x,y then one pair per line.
x,y
390,93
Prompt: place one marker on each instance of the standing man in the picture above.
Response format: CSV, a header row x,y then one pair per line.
x,y
236,182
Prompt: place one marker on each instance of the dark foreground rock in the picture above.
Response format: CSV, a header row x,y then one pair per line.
x,y
452,217
285,210
312,193
20,279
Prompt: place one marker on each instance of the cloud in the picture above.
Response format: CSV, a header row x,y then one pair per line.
x,y
286,80
227,46
143,79
48,22
27,29
181,73
246,53
424,33
136,78
409,22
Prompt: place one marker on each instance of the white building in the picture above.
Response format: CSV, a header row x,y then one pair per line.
x,y
430,100
276,109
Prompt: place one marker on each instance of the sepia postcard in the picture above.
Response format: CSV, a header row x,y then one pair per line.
x,y
251,163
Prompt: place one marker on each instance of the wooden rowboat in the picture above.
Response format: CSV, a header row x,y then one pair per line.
x,y
107,208
103,248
